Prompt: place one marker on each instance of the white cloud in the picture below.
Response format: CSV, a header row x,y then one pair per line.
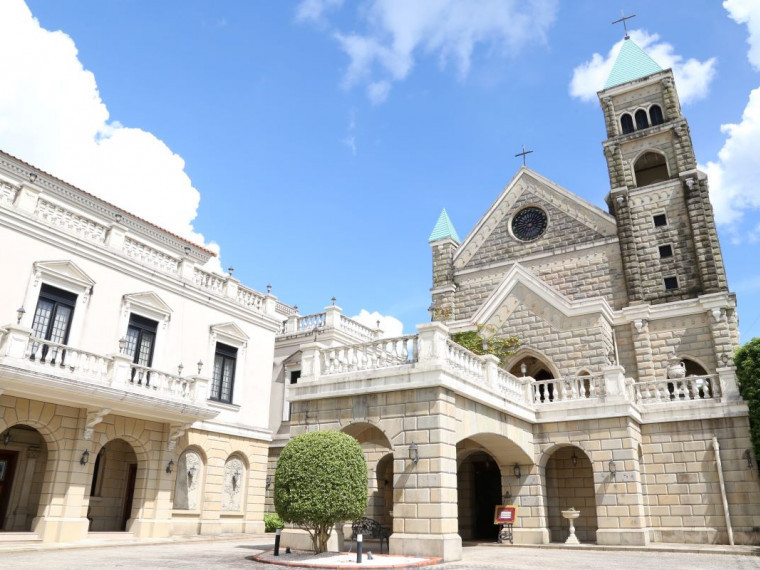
x,y
314,10
692,76
399,31
747,12
732,177
52,116
390,326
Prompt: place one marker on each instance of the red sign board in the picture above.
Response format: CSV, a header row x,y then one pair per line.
x,y
505,514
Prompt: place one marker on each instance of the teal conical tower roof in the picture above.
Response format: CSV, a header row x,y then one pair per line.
x,y
632,63
443,229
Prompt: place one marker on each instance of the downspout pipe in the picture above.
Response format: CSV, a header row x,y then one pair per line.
x,y
719,465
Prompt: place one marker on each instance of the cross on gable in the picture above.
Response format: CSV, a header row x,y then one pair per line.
x,y
523,153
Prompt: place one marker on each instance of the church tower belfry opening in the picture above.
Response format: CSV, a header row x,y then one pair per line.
x,y
666,228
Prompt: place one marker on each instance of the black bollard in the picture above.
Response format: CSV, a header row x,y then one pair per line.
x,y
277,542
359,539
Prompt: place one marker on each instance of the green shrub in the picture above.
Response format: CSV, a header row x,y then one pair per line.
x,y
321,479
272,522
747,361
501,347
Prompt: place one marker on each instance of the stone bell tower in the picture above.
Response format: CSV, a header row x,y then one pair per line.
x,y
667,233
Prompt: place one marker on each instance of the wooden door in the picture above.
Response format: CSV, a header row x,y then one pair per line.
x,y
131,478
7,468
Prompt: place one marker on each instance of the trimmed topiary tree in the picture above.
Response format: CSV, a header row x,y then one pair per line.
x,y
747,361
321,479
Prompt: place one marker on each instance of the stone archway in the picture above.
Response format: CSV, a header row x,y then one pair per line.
x,y
23,468
112,489
570,483
378,451
478,492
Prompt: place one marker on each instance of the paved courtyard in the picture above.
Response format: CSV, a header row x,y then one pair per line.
x,y
209,555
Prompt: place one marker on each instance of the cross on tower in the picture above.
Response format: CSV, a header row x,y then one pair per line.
x,y
523,153
623,19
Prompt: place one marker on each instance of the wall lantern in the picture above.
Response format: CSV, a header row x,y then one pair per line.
x,y
180,368
747,456
574,458
200,367
517,471
85,457
414,454
20,314
269,481
122,345
523,369
431,309
613,468
7,438
170,466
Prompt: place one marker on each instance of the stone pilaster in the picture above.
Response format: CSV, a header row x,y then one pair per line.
x,y
643,349
620,206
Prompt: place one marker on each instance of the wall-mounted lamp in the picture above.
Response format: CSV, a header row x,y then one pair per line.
x,y
32,177
431,310
170,466
613,468
523,369
748,457
187,250
269,289
516,471
574,458
122,345
414,453
200,366
230,270
724,359
20,314
85,457
269,481
7,438
118,217
180,368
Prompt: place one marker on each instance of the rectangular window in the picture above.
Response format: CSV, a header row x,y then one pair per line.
x,y
666,251
671,283
294,376
141,340
660,220
225,359
52,319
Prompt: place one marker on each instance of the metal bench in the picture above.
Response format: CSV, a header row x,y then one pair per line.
x,y
370,528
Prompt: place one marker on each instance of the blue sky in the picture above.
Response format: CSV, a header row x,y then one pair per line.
x,y
316,142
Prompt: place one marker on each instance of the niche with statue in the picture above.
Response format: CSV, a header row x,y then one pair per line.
x,y
187,491
234,479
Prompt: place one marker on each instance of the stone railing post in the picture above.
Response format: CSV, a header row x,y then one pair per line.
x,y
186,268
291,325
120,370
270,305
615,388
332,317
492,371
27,197
199,393
116,235
432,342
15,341
310,365
729,390
231,287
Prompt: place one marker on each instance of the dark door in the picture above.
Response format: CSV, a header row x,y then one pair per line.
x,y
487,486
7,467
131,477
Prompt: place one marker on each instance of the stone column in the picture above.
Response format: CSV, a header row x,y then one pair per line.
x,y
643,349
425,517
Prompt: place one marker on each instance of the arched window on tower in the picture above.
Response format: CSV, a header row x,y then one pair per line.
x,y
626,123
650,168
641,120
655,115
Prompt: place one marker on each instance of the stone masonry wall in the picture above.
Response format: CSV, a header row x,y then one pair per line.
x,y
681,483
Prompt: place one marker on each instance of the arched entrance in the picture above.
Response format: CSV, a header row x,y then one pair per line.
x,y
537,369
113,487
378,451
570,484
478,493
23,464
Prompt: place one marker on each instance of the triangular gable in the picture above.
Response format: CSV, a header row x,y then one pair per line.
x,y
526,180
66,271
519,275
148,301
230,330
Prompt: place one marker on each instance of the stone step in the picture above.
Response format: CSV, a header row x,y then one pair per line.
x,y
106,535
19,537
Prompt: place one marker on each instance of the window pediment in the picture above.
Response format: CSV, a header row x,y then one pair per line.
x,y
148,304
229,333
65,274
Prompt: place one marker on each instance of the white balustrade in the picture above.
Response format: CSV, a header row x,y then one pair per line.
x,y
678,389
511,387
69,221
283,309
356,328
148,379
465,361
567,389
209,281
369,356
54,355
7,194
150,256
311,322
250,299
